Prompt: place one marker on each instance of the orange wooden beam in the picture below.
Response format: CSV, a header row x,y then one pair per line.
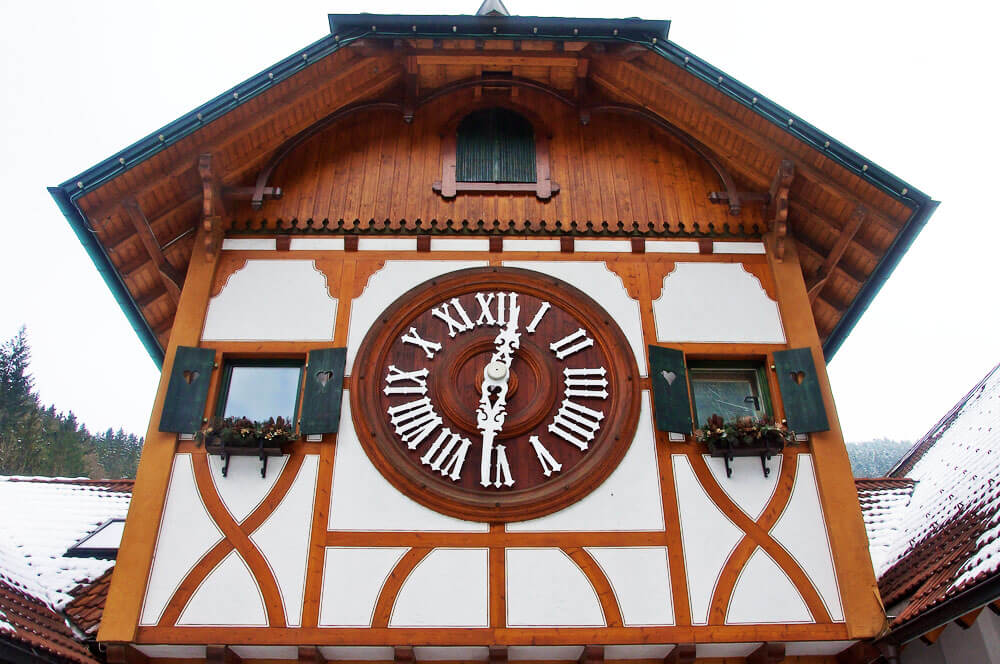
x,y
847,234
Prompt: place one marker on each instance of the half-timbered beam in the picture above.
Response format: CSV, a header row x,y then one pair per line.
x,y
172,279
756,138
819,279
498,655
818,255
682,653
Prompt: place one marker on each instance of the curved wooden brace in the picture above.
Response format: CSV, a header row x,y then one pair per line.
x,y
394,583
690,141
289,146
687,139
599,581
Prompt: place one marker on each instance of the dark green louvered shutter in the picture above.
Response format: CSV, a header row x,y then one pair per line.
x,y
671,402
495,145
323,391
800,391
187,390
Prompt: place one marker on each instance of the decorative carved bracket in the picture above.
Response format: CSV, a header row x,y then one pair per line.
x,y
211,187
777,209
171,277
847,233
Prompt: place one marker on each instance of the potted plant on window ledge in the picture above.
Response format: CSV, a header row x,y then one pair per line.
x,y
744,437
240,436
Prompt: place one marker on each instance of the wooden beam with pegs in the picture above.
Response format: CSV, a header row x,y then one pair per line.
x,y
682,653
777,207
767,653
171,277
847,234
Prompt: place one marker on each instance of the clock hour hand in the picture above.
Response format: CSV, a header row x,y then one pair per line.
x,y
492,409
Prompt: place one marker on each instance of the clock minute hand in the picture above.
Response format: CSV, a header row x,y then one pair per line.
x,y
492,411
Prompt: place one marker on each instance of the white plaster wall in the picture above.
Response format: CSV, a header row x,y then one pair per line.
x,y
459,244
764,594
604,287
603,245
186,533
358,653
243,489
708,537
545,588
387,244
801,530
640,579
448,588
249,244
451,653
180,652
738,247
513,244
385,286
272,300
361,499
544,653
725,649
645,651
228,596
671,247
283,539
352,580
266,652
748,487
715,302
629,500
316,244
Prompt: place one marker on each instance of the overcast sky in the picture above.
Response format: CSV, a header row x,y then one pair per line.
x,y
909,85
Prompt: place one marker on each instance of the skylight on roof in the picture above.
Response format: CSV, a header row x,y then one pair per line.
x,y
102,543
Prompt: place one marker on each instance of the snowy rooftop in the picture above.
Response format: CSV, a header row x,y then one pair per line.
x,y
41,519
945,535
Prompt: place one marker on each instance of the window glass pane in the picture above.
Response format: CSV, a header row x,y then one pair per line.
x,y
495,145
260,393
729,394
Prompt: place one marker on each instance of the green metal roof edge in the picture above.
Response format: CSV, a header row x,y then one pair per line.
x,y
110,275
348,28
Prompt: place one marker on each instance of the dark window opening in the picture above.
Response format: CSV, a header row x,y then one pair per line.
x,y
729,389
495,145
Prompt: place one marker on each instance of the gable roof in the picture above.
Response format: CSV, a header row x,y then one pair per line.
x,y
941,539
750,133
39,585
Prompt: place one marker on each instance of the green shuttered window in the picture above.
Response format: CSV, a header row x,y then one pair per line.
x,y
323,391
800,391
495,145
187,390
670,390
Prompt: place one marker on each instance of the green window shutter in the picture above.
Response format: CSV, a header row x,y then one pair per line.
x,y
495,145
671,402
800,391
187,390
323,391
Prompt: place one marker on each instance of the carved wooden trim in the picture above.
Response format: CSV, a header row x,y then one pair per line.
x,y
390,458
227,266
777,210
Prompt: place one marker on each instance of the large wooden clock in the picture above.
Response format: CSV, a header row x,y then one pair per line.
x,y
495,394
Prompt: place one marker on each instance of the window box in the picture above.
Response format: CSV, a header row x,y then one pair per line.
x,y
744,437
242,437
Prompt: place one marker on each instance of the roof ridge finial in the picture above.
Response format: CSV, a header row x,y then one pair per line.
x,y
492,8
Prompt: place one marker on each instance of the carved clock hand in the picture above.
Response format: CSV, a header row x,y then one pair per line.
x,y
492,410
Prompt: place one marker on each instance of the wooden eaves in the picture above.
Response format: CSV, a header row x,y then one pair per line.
x,y
134,212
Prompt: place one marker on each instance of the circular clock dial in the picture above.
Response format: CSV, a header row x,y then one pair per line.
x,y
495,394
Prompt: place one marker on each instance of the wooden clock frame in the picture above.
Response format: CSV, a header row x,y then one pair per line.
x,y
389,456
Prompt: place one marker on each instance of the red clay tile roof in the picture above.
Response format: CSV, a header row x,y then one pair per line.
x,y
28,622
87,606
943,531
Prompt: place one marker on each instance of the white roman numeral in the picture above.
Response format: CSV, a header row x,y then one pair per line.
x,y
502,470
414,421
549,464
566,346
419,377
572,418
578,385
430,347
538,317
505,302
449,459
454,326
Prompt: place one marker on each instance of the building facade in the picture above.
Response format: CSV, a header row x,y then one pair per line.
x,y
493,272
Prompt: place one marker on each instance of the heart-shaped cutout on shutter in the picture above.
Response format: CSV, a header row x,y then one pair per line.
x,y
324,377
798,377
190,376
669,376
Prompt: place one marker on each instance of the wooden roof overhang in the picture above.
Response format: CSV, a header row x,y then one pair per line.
x,y
136,212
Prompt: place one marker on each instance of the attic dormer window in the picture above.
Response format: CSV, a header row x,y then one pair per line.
x,y
495,145
495,150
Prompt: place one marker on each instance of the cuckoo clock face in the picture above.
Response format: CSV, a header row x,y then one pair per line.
x,y
495,394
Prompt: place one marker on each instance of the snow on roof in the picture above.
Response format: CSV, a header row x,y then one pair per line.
x,y
883,500
42,518
947,536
